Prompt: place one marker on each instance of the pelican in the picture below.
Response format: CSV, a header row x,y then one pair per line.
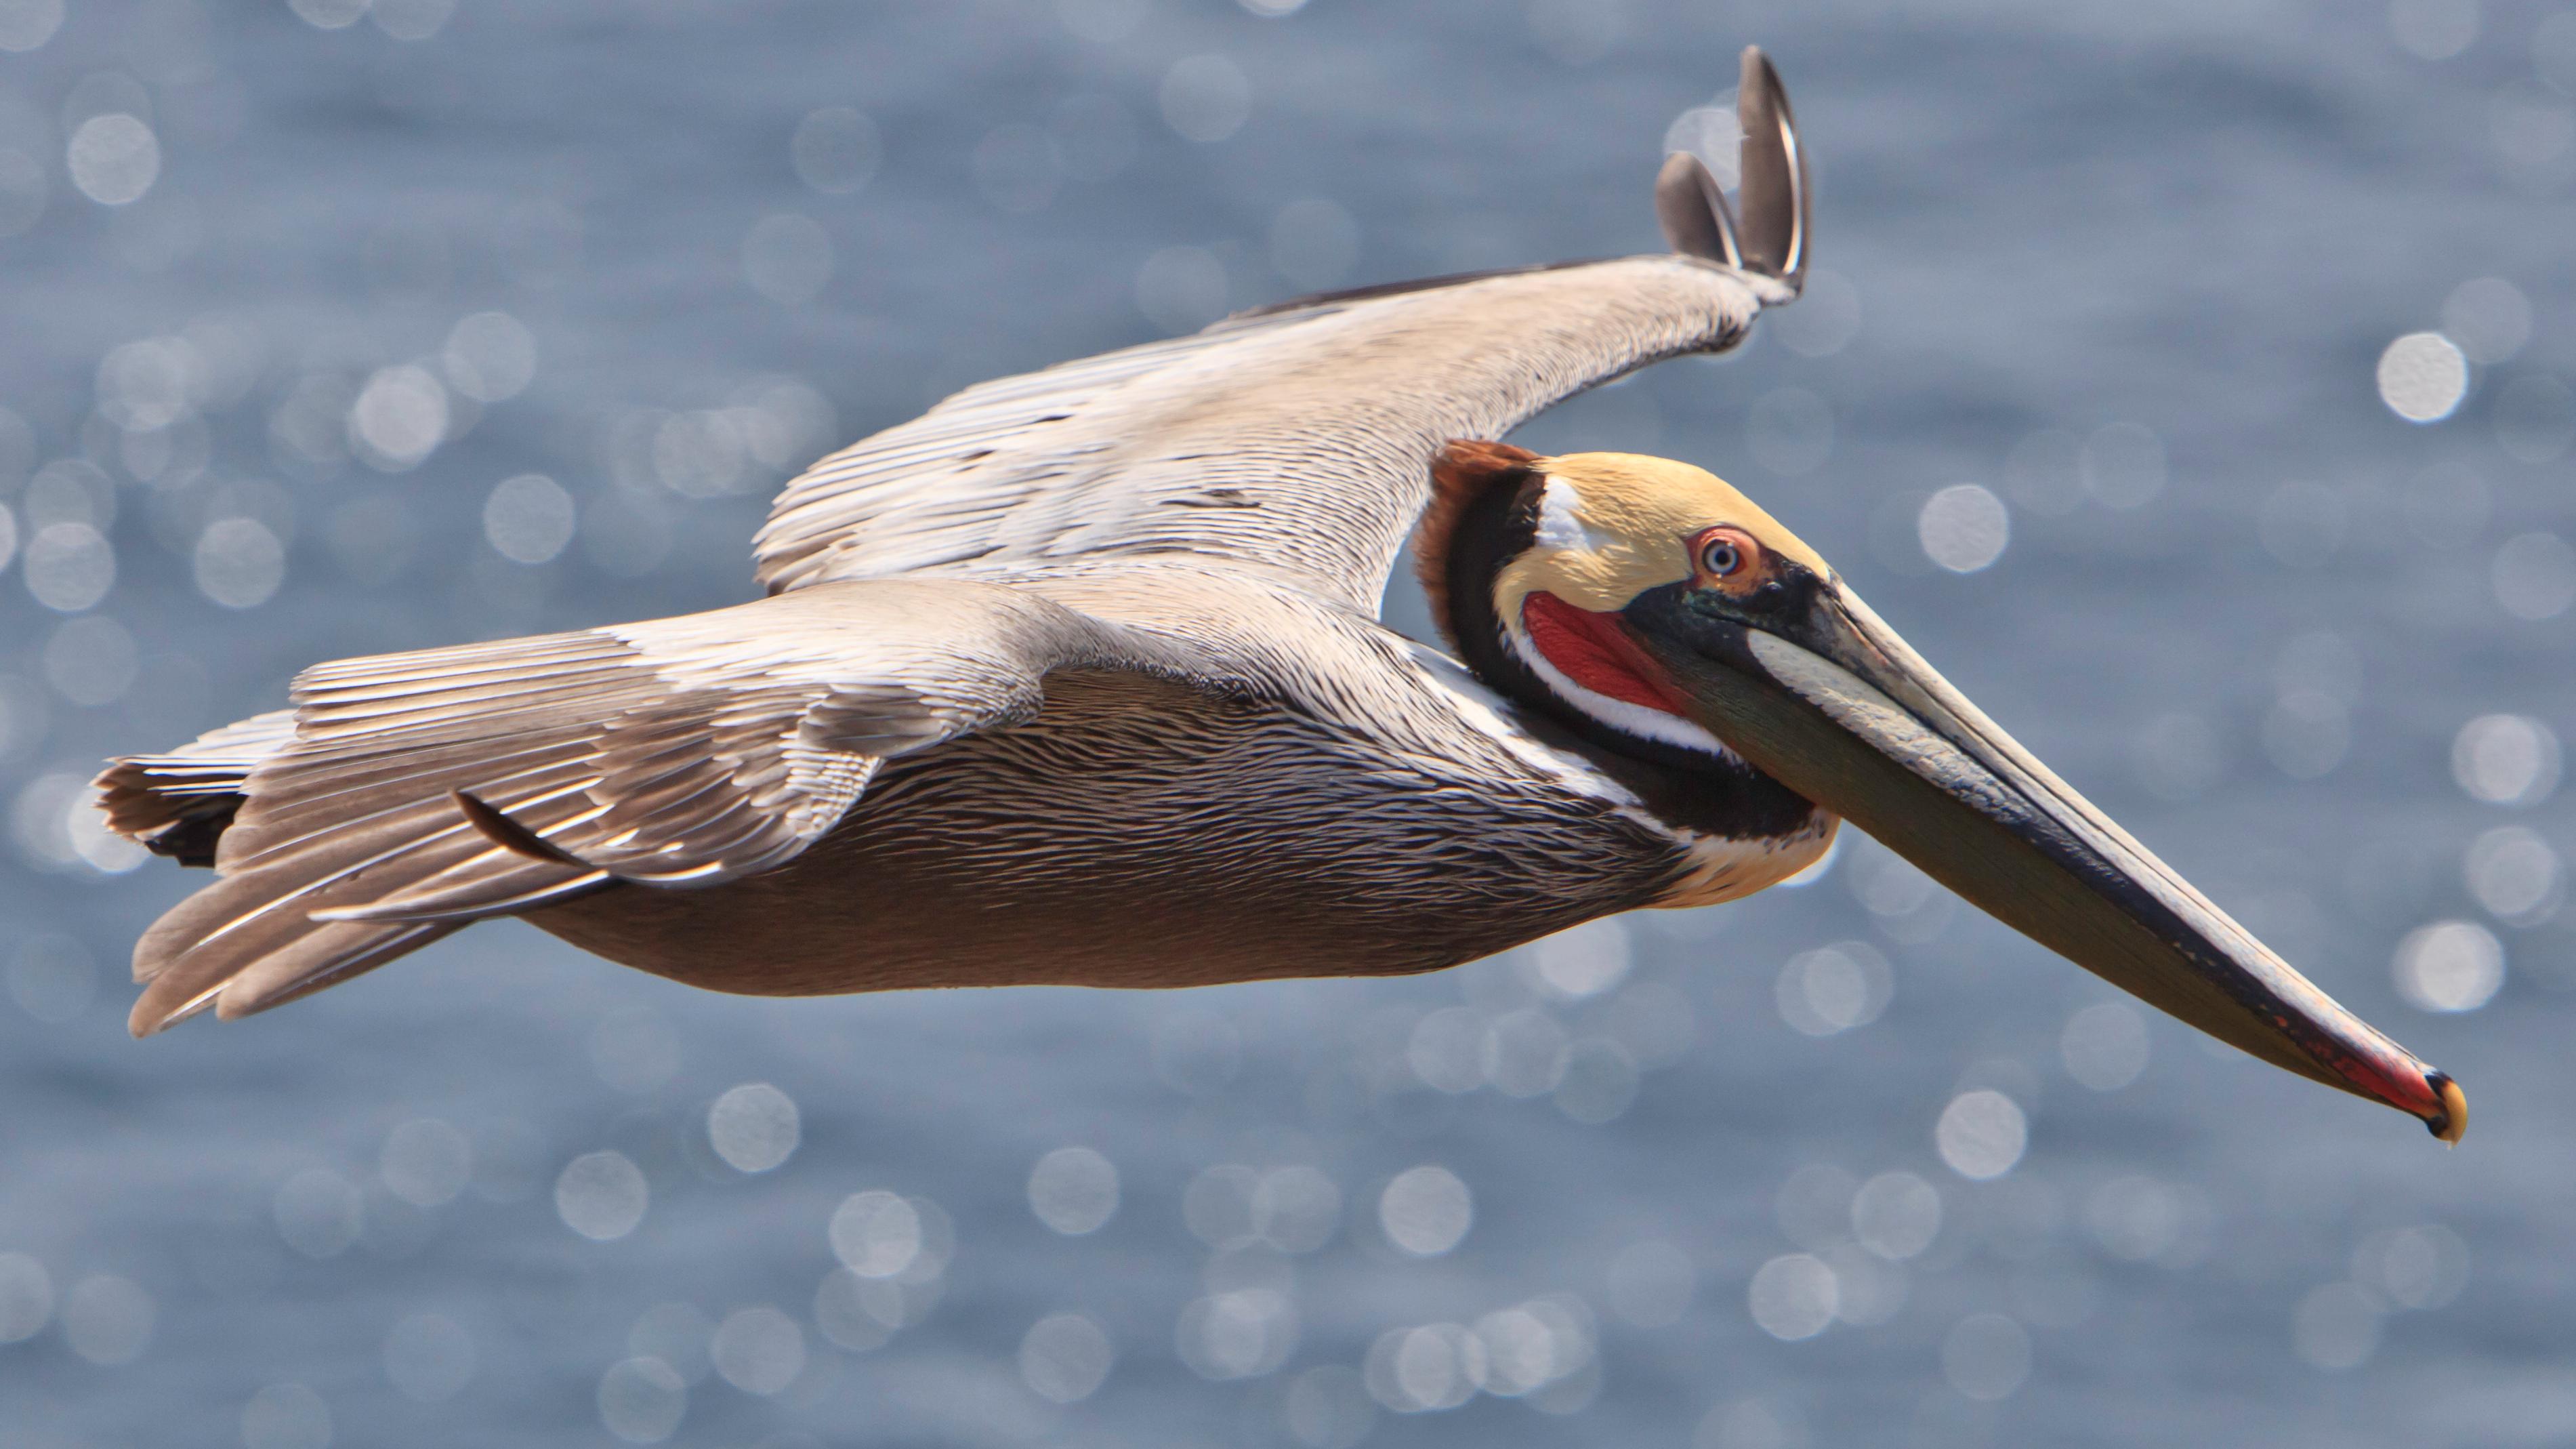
x,y
1078,678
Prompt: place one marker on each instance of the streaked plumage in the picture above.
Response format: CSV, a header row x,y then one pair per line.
x,y
1077,678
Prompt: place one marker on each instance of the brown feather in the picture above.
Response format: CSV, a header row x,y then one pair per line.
x,y
1460,474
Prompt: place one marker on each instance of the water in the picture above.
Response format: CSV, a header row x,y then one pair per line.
x,y
2130,271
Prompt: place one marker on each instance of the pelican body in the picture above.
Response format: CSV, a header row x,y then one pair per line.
x,y
1078,679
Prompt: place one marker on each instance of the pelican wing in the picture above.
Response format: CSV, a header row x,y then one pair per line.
x,y
1298,440
416,792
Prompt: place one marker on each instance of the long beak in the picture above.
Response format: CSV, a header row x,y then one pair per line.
x,y
1838,708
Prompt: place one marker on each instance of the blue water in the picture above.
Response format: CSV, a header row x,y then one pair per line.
x,y
2197,226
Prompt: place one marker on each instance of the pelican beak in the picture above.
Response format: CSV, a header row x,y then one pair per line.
x,y
1815,690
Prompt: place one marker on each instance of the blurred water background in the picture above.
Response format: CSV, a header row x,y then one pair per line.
x,y
2189,381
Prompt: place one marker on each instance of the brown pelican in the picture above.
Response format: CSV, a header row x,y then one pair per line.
x,y
1077,678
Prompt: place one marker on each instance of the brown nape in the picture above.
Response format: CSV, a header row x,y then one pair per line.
x,y
1462,472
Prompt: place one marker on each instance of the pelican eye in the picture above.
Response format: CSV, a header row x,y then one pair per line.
x,y
1720,557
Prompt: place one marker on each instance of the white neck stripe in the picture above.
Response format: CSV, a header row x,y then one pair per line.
x,y
1618,714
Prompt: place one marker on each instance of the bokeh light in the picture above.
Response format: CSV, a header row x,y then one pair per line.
x,y
2515,874
528,519
1586,961
1239,1333
2420,1267
411,19
2104,1046
1986,1356
286,1415
2506,759
399,418
1981,1134
2449,966
317,1212
238,563
1426,1210
330,14
602,1195
26,1297
114,159
1751,1424
27,24
1181,289
68,566
490,357
2534,575
2488,319
641,1400
1328,1408
426,1162
1835,988
430,1358
1065,1357
758,1350
2044,472
1964,528
754,1127
1896,1215
2422,377
836,150
2434,29
1074,1191
109,1320
1793,1296
877,1234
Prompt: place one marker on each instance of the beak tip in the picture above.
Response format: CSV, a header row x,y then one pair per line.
x,y
2453,1124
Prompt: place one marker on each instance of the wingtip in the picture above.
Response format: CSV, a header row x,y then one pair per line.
x,y
1765,233
153,1014
1693,211
1775,198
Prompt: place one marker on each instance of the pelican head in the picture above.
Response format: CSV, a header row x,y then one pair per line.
x,y
1660,613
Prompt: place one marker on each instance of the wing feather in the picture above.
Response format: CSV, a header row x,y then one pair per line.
x,y
409,794
1298,440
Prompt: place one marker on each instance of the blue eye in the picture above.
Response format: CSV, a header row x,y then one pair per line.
x,y
1720,557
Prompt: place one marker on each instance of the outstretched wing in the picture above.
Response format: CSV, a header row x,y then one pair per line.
x,y
1298,439
420,791
1301,441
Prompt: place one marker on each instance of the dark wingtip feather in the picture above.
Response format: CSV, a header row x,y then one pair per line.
x,y
1775,194
1692,211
